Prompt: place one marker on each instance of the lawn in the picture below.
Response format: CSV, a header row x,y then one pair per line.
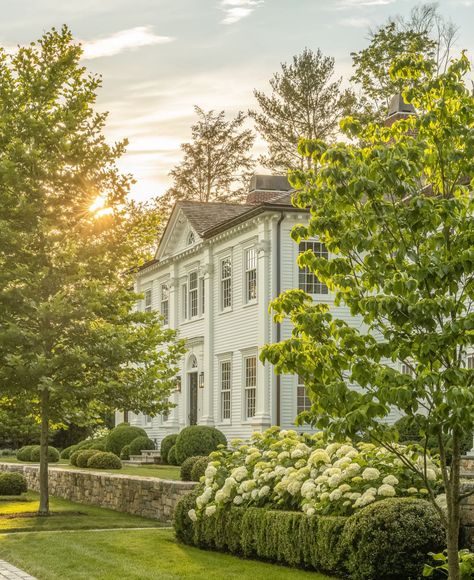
x,y
160,471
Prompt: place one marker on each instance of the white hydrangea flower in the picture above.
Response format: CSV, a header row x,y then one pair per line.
x,y
296,454
310,512
239,473
335,495
192,515
294,487
319,456
332,471
248,485
344,488
210,510
412,490
283,455
334,480
238,500
370,473
386,490
431,475
210,471
390,480
308,489
324,496
265,490
321,479
345,449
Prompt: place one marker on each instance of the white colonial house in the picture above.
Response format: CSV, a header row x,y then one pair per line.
x,y
216,270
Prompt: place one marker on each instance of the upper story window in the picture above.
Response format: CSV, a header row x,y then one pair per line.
x,y
250,275
184,301
407,370
303,402
308,281
147,300
203,297
193,295
470,361
250,370
225,384
190,239
226,283
164,302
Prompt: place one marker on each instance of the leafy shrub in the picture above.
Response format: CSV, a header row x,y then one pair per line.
x,y
466,564
122,435
104,460
7,453
53,454
187,467
166,444
140,443
12,483
198,440
391,539
183,525
97,443
199,468
74,456
24,454
172,460
84,455
66,453
125,453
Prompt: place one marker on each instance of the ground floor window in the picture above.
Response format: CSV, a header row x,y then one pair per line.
x,y
303,402
225,384
250,369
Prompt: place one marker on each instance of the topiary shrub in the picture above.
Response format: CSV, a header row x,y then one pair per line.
x,y
125,453
140,443
198,440
84,456
166,444
24,454
53,454
390,539
188,465
66,453
12,484
122,435
98,446
74,456
104,460
199,468
172,460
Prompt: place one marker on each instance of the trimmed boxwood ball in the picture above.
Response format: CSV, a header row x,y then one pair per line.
x,y
187,467
172,460
199,468
166,444
121,436
104,460
125,453
68,451
24,454
53,454
84,456
390,539
140,443
12,484
198,440
74,456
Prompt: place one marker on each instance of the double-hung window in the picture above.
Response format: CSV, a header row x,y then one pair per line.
x,y
147,301
226,283
184,301
407,370
303,402
250,372
470,361
225,383
308,281
164,302
250,275
193,295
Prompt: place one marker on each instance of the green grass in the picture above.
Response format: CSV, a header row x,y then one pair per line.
x,y
134,555
160,471
67,516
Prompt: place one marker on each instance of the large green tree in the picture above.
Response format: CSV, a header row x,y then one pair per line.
x,y
397,216
305,101
72,344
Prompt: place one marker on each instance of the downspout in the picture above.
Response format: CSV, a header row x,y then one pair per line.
x,y
278,326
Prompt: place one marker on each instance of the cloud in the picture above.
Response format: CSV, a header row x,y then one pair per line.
x,y
363,3
121,41
355,22
235,10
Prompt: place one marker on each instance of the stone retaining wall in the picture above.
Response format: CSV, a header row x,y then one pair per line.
x,y
142,496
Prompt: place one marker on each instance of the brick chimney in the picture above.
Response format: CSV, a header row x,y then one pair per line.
x,y
266,187
398,109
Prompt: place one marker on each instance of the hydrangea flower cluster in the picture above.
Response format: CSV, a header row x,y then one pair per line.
x,y
284,470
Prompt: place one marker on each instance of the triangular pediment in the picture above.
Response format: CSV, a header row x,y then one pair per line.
x,y
178,236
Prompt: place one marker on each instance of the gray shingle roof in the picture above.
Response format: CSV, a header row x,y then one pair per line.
x,y
205,215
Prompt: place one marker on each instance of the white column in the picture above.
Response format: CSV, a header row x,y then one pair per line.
x,y
172,422
207,271
262,419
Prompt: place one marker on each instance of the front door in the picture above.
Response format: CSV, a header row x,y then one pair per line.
x,y
193,398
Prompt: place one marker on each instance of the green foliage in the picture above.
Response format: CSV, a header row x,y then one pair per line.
x,y
84,455
466,565
53,454
104,460
123,435
172,459
125,453
12,483
183,525
66,453
74,455
199,468
17,427
198,440
24,453
188,465
166,444
140,443
391,539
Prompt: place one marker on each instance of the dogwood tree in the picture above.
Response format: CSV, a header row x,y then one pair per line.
x,y
396,213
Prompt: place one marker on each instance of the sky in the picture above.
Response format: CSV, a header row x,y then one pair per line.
x,y
160,58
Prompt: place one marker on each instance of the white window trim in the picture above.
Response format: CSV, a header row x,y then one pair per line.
x,y
189,295
318,295
147,292
221,280
245,299
300,384
246,355
227,420
166,283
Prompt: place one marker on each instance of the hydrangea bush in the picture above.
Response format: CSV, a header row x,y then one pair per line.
x,y
284,470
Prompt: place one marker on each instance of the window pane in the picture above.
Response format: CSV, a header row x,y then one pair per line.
x,y
193,294
250,386
226,283
184,300
307,280
225,390
303,402
470,361
165,303
251,274
147,300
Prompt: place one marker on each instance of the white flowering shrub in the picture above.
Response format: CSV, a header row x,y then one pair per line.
x,y
283,470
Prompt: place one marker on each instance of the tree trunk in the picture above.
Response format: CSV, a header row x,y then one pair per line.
x,y
43,476
452,532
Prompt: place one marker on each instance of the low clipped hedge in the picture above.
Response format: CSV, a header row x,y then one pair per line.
x,y
198,440
388,540
53,454
104,460
68,451
122,435
140,443
172,460
199,468
83,457
12,483
24,453
166,444
188,465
